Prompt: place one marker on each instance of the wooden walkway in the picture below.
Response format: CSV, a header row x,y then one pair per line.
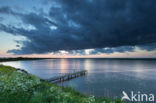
x,y
67,76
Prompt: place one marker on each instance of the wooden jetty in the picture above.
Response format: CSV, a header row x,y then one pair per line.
x,y
67,76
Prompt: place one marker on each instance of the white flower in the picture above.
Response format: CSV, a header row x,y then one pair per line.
x,y
103,102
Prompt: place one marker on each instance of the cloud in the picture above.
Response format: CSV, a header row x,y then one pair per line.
x,y
121,49
89,24
148,47
1,18
5,10
17,45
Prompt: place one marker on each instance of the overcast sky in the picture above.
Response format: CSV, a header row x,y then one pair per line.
x,y
78,28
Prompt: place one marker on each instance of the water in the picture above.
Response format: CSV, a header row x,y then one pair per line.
x,y
104,78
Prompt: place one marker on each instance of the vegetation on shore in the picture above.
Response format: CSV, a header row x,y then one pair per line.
x,y
20,87
19,58
27,58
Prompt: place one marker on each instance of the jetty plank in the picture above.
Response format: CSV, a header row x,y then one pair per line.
x,y
67,76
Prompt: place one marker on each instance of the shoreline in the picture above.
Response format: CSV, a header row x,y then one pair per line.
x,y
27,58
21,59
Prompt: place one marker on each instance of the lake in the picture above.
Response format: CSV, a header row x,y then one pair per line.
x,y
104,77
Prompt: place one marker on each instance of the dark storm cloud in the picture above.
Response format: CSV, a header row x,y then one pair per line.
x,y
7,10
112,50
148,47
76,25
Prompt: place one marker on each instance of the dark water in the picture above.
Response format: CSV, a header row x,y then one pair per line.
x,y
104,78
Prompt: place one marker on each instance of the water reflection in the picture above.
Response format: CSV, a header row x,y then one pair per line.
x,y
64,66
104,78
87,65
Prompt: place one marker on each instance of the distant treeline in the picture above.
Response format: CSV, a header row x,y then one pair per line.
x,y
19,58
26,58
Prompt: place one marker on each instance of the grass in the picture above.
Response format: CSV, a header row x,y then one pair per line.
x,y
20,87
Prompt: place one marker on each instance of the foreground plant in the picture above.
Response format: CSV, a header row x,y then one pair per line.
x,y
20,87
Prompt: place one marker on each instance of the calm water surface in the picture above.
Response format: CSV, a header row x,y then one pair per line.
x,y
104,78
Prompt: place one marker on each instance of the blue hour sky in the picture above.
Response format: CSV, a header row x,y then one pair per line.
x,y
78,28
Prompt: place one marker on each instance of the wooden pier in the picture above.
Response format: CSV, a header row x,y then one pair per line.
x,y
67,76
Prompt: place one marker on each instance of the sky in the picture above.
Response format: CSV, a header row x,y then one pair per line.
x,y
78,28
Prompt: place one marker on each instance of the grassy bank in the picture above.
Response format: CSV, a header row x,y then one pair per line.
x,y
20,87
